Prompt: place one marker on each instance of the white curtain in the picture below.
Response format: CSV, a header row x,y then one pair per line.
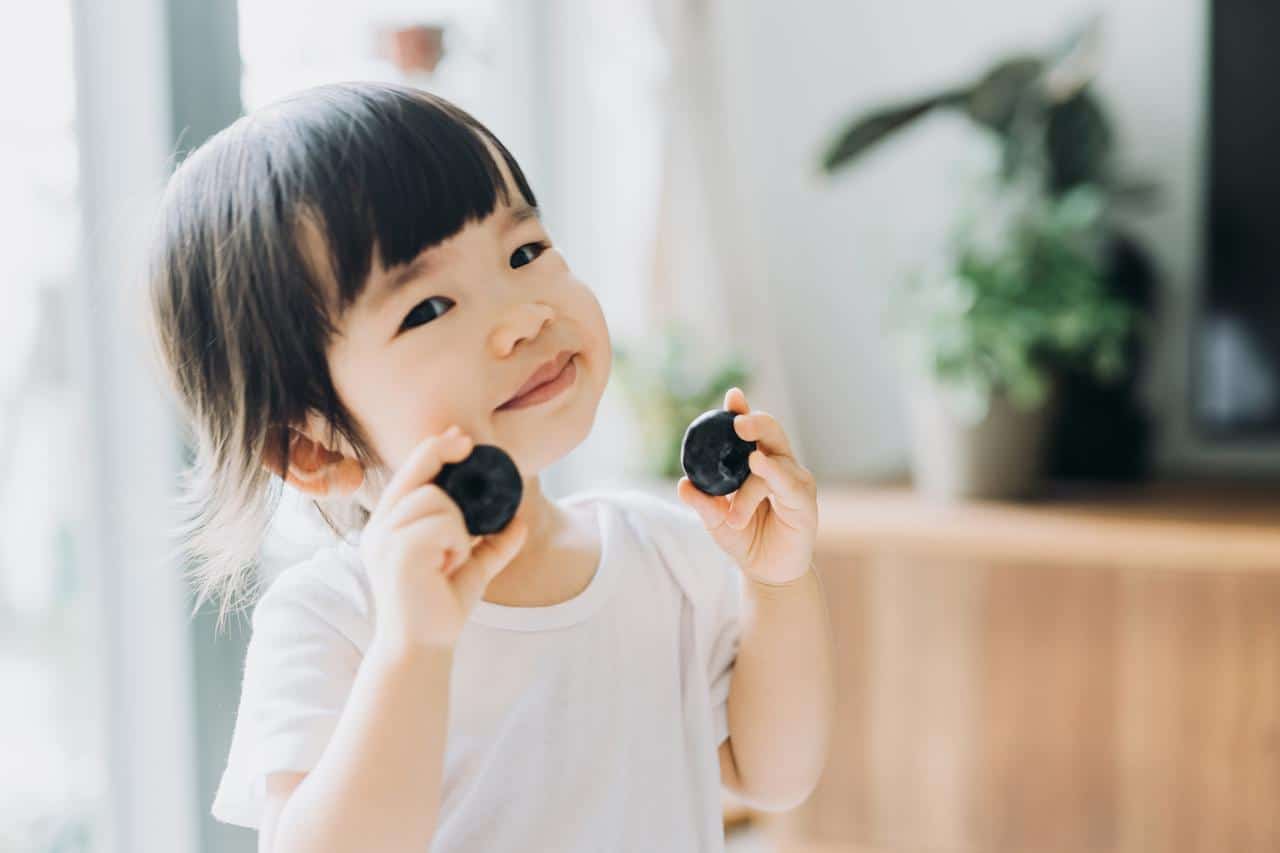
x,y
709,272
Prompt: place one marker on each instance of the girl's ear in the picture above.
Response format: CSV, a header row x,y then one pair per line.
x,y
314,469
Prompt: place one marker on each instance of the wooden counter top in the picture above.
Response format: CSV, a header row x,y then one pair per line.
x,y
1187,525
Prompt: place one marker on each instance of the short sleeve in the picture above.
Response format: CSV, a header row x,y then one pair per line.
x,y
299,668
713,582
726,629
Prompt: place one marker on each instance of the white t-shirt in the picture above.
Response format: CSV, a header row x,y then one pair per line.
x,y
588,725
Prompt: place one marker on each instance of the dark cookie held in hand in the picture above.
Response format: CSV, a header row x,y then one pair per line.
x,y
486,486
712,454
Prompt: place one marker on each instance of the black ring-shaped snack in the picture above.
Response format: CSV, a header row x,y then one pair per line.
x,y
486,486
713,455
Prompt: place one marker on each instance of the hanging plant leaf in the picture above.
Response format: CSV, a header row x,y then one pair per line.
x,y
1078,140
865,133
995,99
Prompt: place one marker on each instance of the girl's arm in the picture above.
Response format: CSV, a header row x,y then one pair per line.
x,y
782,695
377,785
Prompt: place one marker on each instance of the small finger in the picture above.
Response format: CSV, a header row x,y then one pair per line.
x,y
424,463
425,500
712,509
441,535
783,477
762,428
454,565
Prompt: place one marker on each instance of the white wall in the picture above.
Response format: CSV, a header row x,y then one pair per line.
x,y
600,140
835,248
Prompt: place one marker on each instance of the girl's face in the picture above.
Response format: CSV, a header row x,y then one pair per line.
x,y
467,324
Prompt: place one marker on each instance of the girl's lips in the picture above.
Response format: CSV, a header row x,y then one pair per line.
x,y
546,390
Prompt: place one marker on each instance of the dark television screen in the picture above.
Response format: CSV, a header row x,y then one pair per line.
x,y
1237,348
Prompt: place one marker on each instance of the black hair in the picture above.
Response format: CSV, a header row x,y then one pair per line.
x,y
242,313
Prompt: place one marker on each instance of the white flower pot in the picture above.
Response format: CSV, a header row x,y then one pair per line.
x,y
1001,456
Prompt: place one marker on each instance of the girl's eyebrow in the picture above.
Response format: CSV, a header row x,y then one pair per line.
x,y
422,264
520,213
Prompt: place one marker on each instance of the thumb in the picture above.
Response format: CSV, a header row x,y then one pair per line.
x,y
489,558
710,508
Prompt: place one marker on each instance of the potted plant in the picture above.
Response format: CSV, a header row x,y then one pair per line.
x,y
983,331
668,385
1025,333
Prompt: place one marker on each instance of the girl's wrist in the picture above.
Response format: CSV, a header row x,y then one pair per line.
x,y
778,586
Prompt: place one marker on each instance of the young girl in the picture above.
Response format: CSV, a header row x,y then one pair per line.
x,y
352,287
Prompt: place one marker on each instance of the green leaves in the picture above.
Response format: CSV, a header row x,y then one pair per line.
x,y
1011,303
1021,291
669,383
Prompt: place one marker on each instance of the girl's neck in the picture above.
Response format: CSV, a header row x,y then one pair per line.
x,y
558,559
544,518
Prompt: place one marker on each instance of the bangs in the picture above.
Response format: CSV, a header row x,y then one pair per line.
x,y
385,168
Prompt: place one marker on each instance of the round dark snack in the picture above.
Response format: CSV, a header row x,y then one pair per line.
x,y
486,486
712,454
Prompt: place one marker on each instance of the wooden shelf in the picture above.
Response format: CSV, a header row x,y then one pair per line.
x,y
1171,526
1092,670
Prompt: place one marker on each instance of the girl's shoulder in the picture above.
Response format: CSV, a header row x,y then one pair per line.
x,y
327,589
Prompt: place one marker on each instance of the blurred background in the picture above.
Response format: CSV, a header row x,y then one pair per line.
x,y
1006,272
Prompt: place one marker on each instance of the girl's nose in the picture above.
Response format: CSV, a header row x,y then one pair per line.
x,y
522,322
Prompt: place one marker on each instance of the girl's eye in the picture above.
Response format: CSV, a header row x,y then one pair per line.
x,y
423,313
541,246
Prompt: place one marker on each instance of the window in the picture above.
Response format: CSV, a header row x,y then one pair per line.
x,y
52,774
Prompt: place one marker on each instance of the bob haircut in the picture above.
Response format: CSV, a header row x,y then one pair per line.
x,y
241,317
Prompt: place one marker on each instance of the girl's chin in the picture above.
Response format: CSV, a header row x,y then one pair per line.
x,y
537,446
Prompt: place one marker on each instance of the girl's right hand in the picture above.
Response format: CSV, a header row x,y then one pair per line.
x,y
426,570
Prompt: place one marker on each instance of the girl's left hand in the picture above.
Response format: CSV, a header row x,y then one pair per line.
x,y
770,523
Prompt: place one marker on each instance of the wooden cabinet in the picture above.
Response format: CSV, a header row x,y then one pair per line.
x,y
1095,671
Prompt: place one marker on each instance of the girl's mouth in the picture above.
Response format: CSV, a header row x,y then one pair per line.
x,y
547,390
